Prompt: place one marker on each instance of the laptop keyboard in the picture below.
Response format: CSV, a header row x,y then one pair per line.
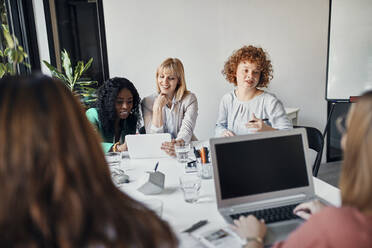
x,y
271,215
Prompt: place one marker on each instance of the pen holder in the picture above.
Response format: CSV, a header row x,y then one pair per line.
x,y
205,170
154,185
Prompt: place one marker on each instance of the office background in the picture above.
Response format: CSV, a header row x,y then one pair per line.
x,y
141,34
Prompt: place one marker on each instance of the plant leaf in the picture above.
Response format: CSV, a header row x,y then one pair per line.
x,y
66,64
87,65
78,70
56,73
2,70
8,38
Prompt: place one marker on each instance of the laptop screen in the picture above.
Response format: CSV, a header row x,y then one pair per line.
x,y
260,166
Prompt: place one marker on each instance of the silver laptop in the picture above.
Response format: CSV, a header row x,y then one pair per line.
x,y
265,174
146,145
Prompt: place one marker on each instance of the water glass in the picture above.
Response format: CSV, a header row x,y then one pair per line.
x,y
190,185
113,158
206,171
182,152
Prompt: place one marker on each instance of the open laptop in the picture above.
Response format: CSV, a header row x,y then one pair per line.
x,y
257,173
146,145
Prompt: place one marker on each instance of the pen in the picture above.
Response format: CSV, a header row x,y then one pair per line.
x,y
156,166
265,119
196,226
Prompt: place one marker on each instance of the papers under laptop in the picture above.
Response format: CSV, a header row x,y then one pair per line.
x,y
266,174
146,145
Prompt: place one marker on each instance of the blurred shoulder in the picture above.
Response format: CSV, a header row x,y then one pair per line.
x,y
189,97
229,96
92,112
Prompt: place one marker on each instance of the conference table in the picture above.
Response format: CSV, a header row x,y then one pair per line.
x,y
180,214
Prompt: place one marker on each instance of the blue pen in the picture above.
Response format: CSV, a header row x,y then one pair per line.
x,y
156,166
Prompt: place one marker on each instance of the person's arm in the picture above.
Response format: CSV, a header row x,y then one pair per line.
x,y
189,119
221,123
277,115
258,124
157,111
147,111
252,230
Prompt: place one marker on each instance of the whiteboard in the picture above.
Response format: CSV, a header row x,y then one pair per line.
x,y
350,49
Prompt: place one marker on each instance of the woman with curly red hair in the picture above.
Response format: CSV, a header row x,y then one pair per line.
x,y
248,108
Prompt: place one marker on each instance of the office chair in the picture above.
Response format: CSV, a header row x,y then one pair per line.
x,y
316,142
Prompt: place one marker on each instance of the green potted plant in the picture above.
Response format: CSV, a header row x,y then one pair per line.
x,y
12,55
71,77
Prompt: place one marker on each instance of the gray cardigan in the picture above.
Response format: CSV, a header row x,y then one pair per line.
x,y
186,111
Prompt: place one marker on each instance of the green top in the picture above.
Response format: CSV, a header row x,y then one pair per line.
x,y
108,140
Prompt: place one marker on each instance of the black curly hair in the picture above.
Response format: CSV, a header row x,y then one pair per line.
x,y
106,97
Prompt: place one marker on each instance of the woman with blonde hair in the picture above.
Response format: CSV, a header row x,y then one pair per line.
x,y
349,225
248,108
56,189
173,109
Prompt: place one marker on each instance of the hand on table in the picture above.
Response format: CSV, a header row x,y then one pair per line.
x,y
250,227
306,209
168,147
122,147
258,124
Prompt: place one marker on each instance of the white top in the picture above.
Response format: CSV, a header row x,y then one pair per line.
x,y
234,114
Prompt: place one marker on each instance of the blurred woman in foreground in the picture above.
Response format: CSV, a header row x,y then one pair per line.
x,y
56,187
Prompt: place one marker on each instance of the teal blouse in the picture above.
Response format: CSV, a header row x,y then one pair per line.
x,y
107,140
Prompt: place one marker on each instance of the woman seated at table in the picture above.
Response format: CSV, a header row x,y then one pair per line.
x,y
56,189
116,113
248,108
173,109
349,225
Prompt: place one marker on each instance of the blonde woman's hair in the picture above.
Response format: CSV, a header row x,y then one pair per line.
x,y
356,175
175,66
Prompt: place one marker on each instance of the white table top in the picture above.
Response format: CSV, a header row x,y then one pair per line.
x,y
181,214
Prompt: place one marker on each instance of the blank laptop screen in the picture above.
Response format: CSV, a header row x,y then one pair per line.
x,y
260,166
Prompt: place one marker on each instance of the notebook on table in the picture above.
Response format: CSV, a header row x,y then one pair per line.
x,y
265,174
146,145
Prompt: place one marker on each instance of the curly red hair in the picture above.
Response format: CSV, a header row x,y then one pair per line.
x,y
251,54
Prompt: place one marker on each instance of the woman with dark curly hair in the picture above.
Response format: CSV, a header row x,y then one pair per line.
x,y
248,108
116,113
56,189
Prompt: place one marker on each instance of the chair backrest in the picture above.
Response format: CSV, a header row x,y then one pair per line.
x,y
316,142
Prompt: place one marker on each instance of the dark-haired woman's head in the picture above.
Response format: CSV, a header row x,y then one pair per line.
x,y
118,99
56,189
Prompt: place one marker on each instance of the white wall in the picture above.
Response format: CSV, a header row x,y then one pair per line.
x,y
141,34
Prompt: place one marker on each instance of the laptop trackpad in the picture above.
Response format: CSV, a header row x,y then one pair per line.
x,y
280,232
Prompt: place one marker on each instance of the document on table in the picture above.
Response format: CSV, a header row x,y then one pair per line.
x,y
218,238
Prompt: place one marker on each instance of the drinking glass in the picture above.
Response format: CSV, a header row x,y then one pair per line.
x,y
182,152
190,185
